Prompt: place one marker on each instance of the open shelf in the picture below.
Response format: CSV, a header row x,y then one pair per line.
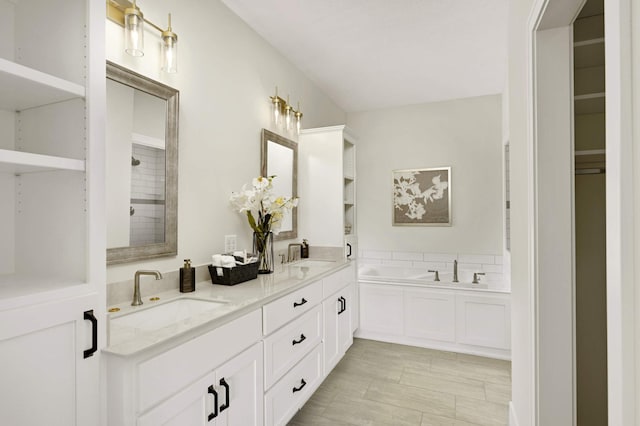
x,y
23,87
18,290
17,162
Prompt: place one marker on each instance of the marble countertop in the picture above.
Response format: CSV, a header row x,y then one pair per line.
x,y
237,300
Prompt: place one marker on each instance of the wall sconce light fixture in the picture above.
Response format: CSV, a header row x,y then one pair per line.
x,y
284,115
132,19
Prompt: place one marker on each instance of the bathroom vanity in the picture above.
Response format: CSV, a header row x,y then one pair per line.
x,y
249,354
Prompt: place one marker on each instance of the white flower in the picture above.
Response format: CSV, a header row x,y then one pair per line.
x,y
264,210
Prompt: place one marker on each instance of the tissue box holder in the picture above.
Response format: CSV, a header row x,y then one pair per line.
x,y
235,275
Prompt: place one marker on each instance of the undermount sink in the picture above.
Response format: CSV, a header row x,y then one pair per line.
x,y
159,316
313,262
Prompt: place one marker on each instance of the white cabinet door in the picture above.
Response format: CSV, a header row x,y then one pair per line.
x,y
196,405
484,320
46,378
381,309
331,306
240,385
338,334
430,314
345,332
232,395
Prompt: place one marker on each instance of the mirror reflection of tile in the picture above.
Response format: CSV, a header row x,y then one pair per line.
x,y
147,195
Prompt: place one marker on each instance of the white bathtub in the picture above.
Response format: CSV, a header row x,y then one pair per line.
x,y
405,305
388,274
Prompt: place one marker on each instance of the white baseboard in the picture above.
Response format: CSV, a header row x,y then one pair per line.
x,y
513,420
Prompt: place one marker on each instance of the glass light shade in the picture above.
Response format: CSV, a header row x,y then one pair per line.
x,y
275,103
133,32
169,52
288,117
298,122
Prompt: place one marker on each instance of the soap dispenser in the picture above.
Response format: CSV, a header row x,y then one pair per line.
x,y
187,277
304,250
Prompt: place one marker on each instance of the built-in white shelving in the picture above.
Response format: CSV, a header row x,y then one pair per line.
x,y
22,87
17,162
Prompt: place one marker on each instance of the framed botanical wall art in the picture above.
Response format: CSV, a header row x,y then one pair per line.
x,y
422,197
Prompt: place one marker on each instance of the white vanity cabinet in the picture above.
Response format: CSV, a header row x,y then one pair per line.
x,y
231,395
467,321
329,152
180,386
52,263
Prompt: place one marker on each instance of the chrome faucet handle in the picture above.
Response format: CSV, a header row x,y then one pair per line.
x,y
455,271
476,277
282,256
437,276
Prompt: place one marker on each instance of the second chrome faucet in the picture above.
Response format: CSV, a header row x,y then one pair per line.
x,y
455,271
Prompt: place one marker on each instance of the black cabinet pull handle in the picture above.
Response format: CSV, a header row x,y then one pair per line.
x,y
343,305
299,388
88,315
302,302
302,339
213,392
349,247
225,385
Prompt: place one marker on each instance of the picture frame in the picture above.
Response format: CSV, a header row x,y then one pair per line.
x,y
421,197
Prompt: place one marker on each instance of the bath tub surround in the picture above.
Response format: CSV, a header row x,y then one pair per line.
x,y
406,305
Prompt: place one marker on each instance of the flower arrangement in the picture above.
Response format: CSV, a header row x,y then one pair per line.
x,y
264,210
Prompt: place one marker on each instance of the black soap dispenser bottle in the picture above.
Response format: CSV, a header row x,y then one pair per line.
x,y
187,277
304,250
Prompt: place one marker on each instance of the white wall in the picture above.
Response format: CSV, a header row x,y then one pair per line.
x,y
226,73
465,134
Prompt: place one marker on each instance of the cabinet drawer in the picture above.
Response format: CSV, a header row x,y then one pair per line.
x,y
337,281
174,369
283,310
293,390
290,344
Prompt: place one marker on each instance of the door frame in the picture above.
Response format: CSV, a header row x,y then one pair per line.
x,y
556,16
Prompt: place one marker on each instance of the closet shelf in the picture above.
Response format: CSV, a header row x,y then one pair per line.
x,y
590,103
18,162
599,40
23,87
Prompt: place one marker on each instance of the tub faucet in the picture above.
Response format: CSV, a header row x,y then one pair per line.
x,y
292,258
137,300
437,274
455,271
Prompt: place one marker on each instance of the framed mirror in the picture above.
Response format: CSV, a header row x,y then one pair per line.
x,y
141,167
279,157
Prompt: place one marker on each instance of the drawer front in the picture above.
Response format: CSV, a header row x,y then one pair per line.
x,y
159,377
281,311
290,344
293,390
339,280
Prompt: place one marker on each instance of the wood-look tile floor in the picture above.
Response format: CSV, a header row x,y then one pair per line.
x,y
379,383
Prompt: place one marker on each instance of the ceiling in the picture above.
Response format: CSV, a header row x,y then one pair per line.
x,y
371,54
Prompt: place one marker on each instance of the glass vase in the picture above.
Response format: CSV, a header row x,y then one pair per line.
x,y
263,247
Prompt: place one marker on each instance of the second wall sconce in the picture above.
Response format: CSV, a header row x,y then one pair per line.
x,y
132,19
284,115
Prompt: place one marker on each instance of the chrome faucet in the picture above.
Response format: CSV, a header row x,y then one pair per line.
x,y
137,300
437,274
292,258
455,271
